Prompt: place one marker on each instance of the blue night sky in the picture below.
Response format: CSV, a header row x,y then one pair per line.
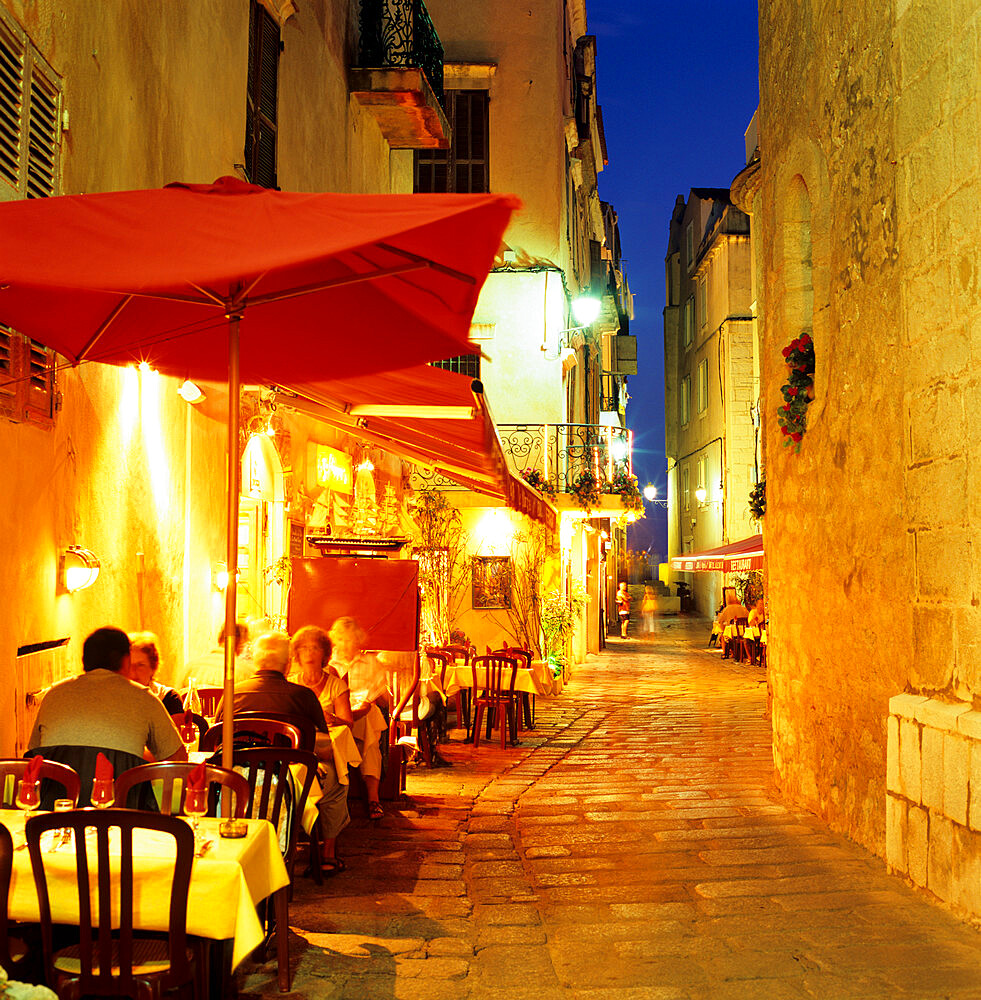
x,y
678,85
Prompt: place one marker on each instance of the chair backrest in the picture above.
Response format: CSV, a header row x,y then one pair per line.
x,y
257,730
307,727
172,772
501,674
12,770
199,720
111,935
440,660
523,656
210,696
6,866
267,771
741,625
460,654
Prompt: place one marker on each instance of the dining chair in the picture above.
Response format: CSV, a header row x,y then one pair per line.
x,y
460,655
524,656
256,730
278,795
111,958
12,770
14,952
306,726
497,695
740,644
210,697
172,772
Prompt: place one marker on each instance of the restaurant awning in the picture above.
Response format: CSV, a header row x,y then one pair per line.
x,y
432,417
736,557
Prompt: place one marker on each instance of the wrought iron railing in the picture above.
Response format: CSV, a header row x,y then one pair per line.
x,y
401,33
563,453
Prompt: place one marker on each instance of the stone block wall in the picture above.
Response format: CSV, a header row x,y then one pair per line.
x,y
933,797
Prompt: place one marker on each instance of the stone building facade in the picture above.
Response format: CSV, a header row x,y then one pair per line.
x,y
711,382
869,223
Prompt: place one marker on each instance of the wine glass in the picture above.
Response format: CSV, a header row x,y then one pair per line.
x,y
103,793
28,797
189,736
196,806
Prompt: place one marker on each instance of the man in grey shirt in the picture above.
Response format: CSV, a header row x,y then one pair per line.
x,y
102,710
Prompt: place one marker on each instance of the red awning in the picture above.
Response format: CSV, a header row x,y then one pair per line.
x,y
430,416
736,557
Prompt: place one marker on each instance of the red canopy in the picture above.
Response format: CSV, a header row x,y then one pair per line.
x,y
325,284
736,557
433,417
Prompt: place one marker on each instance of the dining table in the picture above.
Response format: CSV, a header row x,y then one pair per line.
x,y
229,878
538,679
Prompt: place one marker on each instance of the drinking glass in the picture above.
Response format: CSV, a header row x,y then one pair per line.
x,y
103,793
189,736
195,806
63,837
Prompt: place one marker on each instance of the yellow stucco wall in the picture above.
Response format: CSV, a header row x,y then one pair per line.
x,y
154,93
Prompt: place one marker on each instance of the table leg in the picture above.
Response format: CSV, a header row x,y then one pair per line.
x,y
281,902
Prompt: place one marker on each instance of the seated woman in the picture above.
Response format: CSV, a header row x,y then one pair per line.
x,y
368,686
310,650
144,660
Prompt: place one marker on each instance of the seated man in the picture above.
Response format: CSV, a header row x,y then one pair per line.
x,y
268,690
102,710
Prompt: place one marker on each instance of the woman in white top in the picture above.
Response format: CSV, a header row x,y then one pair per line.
x,y
367,682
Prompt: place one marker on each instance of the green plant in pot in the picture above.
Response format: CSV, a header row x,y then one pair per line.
x,y
559,616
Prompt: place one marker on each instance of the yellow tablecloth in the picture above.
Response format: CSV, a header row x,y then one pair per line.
x,y
226,883
538,680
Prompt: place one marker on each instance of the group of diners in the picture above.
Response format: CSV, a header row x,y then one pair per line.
x,y
116,708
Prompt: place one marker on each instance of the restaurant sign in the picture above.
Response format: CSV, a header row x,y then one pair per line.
x,y
334,470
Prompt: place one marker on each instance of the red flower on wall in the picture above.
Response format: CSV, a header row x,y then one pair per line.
x,y
799,356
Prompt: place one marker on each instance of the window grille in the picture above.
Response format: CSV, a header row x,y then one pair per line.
x,y
465,364
464,168
30,117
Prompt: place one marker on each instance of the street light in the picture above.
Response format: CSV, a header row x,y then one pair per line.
x,y
586,308
650,492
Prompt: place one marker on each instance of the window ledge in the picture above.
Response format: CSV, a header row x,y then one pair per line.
x,y
404,105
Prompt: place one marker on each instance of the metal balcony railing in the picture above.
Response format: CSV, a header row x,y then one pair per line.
x,y
400,33
562,453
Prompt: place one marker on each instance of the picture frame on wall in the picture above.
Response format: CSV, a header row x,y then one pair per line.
x,y
491,582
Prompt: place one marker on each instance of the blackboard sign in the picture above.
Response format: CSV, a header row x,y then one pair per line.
x,y
297,531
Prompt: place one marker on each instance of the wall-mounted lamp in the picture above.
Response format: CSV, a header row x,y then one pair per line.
x,y
190,392
650,492
80,568
700,494
585,310
219,576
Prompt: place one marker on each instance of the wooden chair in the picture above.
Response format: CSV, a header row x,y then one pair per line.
x,y
461,655
111,959
12,770
440,660
524,656
256,730
210,697
171,772
497,696
740,644
307,728
13,951
269,797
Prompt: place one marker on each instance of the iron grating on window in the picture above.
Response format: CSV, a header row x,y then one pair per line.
x,y
465,364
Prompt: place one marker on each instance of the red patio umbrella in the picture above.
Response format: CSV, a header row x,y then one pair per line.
x,y
234,281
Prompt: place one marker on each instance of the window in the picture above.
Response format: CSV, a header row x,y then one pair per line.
x,y
261,100
689,321
30,117
700,482
702,303
27,379
465,364
686,487
464,168
690,245
685,399
703,386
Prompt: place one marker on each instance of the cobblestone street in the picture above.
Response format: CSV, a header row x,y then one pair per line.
x,y
633,847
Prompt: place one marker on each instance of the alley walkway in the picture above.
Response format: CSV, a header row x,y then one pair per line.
x,y
633,848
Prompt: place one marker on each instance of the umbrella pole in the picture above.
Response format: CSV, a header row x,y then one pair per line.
x,y
231,557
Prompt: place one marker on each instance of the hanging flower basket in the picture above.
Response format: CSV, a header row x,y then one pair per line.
x,y
586,490
797,391
629,490
535,479
757,500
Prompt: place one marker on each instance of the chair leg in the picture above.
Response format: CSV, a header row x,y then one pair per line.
x,y
315,854
477,714
282,940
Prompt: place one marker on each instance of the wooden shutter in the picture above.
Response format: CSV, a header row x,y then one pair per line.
x,y
9,343
42,137
11,104
465,167
262,100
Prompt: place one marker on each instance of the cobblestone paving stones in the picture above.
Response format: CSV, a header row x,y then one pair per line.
x,y
633,847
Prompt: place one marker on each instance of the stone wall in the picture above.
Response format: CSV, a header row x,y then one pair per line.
x,y
869,229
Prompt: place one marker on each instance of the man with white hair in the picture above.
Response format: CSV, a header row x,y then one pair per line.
x,y
268,690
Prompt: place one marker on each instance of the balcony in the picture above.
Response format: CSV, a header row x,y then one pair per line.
x,y
399,76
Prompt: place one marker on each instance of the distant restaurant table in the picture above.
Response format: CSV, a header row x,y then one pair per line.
x,y
537,680
226,884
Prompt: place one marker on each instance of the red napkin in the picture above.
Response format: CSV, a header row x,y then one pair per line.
x,y
195,780
187,719
103,768
33,770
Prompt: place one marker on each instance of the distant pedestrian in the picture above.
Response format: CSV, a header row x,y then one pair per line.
x,y
648,609
623,609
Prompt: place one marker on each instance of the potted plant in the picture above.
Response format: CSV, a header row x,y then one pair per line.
x,y
559,616
536,479
586,490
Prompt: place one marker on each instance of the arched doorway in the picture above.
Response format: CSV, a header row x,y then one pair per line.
x,y
261,533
